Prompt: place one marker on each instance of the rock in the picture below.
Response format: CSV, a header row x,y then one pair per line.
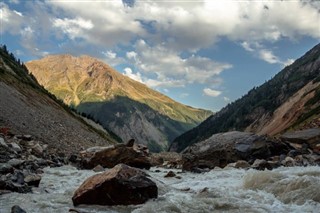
x,y
170,174
98,168
18,177
288,161
15,147
121,185
15,162
261,164
113,155
17,209
3,143
5,168
167,159
37,150
242,164
130,143
308,136
224,148
32,180
178,177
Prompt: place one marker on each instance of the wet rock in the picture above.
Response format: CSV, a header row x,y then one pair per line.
x,y
98,168
32,180
122,185
261,164
113,155
170,174
18,177
288,161
130,143
224,148
17,209
5,168
167,160
242,164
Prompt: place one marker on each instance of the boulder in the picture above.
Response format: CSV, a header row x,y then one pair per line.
x,y
32,180
261,164
121,185
167,159
224,148
113,155
170,174
241,164
17,209
307,136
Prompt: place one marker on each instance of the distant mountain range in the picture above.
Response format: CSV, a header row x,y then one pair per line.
x,y
290,100
124,106
26,108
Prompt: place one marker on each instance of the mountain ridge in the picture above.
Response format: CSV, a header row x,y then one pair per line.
x,y
82,80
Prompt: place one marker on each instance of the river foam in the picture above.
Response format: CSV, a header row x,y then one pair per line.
x,y
286,189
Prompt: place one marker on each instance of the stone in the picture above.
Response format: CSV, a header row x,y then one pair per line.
x,y
261,164
241,164
308,136
288,161
170,174
113,155
98,168
121,185
15,162
37,150
224,148
130,143
5,168
32,180
17,209
3,143
15,147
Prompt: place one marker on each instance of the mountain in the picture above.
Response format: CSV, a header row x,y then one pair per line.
x,y
290,100
128,108
27,108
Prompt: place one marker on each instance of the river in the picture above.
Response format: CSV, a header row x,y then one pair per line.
x,y
285,189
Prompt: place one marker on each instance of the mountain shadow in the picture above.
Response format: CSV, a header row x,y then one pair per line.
x,y
131,119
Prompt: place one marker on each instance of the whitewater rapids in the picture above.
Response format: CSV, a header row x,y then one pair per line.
x,y
286,189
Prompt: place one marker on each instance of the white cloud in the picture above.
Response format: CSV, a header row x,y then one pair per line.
x,y
264,54
74,28
134,76
170,69
111,58
268,56
211,92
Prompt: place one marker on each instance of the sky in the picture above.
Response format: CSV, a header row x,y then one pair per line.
x,y
202,53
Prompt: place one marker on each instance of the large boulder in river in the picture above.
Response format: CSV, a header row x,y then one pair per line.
x,y
115,154
311,137
122,185
223,148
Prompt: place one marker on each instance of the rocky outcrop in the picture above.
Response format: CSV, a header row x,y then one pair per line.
x,y
309,137
134,155
122,185
168,160
224,148
21,161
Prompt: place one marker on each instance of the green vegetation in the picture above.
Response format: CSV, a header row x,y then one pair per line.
x,y
258,101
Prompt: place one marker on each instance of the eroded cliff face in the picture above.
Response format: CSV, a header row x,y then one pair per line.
x,y
290,100
126,107
288,113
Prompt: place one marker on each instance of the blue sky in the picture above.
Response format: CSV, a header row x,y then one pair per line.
x,y
203,53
